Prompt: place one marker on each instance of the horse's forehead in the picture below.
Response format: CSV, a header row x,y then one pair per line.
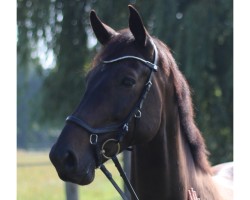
x,y
118,49
122,42
121,45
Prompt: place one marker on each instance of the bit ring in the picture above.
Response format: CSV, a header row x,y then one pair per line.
x,y
105,143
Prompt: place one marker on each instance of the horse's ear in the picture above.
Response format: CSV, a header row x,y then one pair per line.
x,y
136,26
102,31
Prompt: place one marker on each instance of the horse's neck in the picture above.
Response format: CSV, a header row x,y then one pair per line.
x,y
164,168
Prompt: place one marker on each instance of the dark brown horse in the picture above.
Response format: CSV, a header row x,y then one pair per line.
x,y
169,154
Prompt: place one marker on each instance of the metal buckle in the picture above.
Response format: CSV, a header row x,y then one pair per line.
x,y
93,139
138,114
125,127
148,85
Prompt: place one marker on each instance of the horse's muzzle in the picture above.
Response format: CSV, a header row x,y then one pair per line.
x,y
68,167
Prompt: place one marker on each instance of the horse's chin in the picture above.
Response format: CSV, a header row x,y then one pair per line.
x,y
79,178
87,179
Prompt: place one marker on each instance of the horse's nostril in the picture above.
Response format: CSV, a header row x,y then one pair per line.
x,y
70,161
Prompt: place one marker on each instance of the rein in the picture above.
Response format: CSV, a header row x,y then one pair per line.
x,y
121,128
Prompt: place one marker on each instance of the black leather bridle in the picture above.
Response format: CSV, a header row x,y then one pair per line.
x,y
121,128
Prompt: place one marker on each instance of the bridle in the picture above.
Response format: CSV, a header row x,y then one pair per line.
x,y
121,128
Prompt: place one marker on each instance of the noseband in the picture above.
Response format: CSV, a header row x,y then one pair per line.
x,y
121,129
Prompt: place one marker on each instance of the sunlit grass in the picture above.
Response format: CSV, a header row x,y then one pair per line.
x,y
37,180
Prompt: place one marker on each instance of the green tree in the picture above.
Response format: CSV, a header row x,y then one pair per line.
x,y
64,84
29,75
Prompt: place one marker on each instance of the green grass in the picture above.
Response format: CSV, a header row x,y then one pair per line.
x,y
40,182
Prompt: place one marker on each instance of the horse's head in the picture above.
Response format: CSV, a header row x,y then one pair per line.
x,y
110,117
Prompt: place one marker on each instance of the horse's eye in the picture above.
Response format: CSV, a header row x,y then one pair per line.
x,y
128,82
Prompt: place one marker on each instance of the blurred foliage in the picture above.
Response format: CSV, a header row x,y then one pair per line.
x,y
64,85
200,34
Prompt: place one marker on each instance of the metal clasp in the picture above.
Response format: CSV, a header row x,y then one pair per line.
x,y
149,84
125,127
138,114
93,139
